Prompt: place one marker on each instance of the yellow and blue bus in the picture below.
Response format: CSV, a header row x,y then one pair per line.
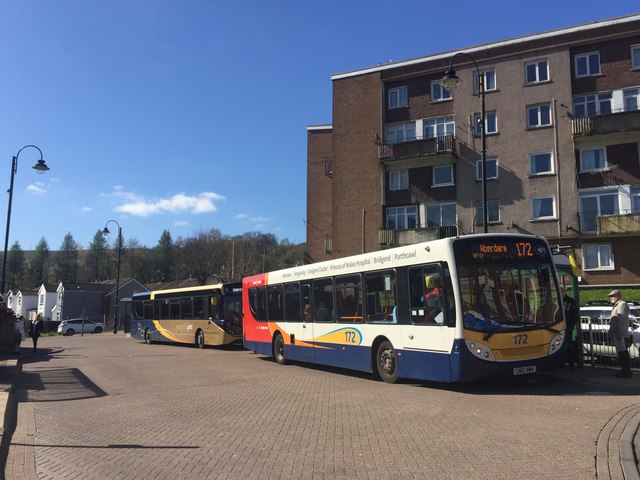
x,y
449,310
203,315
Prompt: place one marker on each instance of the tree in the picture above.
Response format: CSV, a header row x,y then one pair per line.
x,y
95,258
39,263
15,265
203,256
66,260
165,255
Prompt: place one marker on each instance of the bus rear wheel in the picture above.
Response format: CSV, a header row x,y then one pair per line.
x,y
386,362
200,339
278,350
147,337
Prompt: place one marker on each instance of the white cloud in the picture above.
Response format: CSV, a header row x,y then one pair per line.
x,y
36,188
181,223
180,203
86,209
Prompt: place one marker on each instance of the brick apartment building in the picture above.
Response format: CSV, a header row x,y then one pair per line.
x,y
401,161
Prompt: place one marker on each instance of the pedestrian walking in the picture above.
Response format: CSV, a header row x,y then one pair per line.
x,y
18,334
35,329
619,332
572,317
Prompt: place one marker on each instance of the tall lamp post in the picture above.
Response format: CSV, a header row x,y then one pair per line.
x,y
115,310
40,167
450,81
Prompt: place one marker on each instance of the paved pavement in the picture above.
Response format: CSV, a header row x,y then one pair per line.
x,y
316,422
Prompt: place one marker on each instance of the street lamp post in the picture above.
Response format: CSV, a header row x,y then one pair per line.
x,y
40,167
450,81
115,310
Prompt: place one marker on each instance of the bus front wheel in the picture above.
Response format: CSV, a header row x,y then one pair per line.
x,y
386,362
147,337
278,350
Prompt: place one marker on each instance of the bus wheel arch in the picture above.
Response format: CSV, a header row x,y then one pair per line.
x,y
199,341
384,360
278,348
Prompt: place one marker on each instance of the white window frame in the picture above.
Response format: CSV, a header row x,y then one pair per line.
x,y
489,119
405,212
533,172
451,181
408,130
494,206
439,93
591,217
536,204
599,100
398,180
440,206
586,58
540,111
398,98
635,199
635,57
605,164
493,160
538,69
599,248
489,77
631,99
440,126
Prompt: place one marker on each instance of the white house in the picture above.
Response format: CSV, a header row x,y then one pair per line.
x,y
26,302
46,300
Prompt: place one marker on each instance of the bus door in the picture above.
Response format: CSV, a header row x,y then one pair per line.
x,y
432,311
289,307
212,332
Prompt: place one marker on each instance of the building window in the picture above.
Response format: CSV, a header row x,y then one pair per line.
x,y
439,126
492,169
592,105
398,97
438,92
400,132
540,163
587,64
593,160
538,116
399,218
597,257
635,200
491,123
441,214
493,212
631,99
399,180
635,56
543,208
596,203
443,176
489,78
536,72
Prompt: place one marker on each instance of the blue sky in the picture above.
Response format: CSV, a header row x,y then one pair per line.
x,y
190,115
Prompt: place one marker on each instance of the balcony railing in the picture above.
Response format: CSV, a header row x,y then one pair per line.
x,y
416,148
620,121
625,222
410,236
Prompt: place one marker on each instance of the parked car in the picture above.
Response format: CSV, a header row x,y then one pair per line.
x,y
595,329
78,325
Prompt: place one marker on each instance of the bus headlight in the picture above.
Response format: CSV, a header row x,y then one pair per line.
x,y
480,350
556,342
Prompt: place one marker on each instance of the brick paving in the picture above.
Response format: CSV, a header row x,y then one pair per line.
x,y
106,407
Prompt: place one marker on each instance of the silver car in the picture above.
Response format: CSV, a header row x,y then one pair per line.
x,y
78,325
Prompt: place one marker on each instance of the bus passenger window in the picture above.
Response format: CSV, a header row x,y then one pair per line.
x,y
380,294
323,300
426,295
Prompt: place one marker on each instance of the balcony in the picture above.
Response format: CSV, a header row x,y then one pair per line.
x,y
623,124
397,238
621,224
419,152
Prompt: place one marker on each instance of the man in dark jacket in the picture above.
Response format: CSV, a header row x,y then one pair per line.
x,y
572,317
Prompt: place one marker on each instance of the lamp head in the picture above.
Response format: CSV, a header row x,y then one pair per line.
x,y
450,80
40,167
105,231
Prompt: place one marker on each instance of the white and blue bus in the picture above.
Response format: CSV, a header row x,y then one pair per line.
x,y
203,315
449,310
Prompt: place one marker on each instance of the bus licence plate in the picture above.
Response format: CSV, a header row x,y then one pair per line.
x,y
524,370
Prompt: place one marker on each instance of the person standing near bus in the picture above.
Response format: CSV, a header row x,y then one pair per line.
x,y
619,331
572,317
